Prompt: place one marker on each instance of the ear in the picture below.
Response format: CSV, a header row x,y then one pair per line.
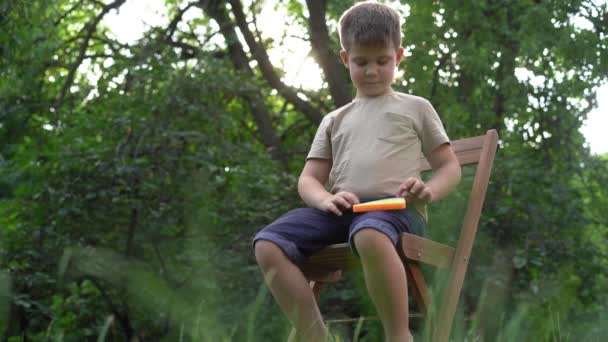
x,y
399,55
344,57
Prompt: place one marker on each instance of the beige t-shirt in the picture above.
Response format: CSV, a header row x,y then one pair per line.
x,y
375,143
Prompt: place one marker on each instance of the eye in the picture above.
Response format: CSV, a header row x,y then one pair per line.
x,y
383,61
360,62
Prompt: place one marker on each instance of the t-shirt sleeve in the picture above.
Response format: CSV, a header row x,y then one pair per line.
x,y
321,144
432,134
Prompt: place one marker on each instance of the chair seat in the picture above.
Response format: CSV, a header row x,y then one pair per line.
x,y
327,264
426,251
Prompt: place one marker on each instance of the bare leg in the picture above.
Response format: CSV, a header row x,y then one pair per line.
x,y
292,292
386,282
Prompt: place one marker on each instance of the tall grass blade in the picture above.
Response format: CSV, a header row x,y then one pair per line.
x,y
105,328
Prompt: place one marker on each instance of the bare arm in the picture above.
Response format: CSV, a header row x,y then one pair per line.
x,y
446,171
311,187
446,175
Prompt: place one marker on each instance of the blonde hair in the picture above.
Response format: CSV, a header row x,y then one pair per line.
x,y
370,23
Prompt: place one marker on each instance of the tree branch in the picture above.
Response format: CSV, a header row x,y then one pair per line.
x,y
188,50
260,55
67,13
178,17
261,115
435,82
339,87
89,30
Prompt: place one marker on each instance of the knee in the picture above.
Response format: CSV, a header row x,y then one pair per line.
x,y
371,242
266,252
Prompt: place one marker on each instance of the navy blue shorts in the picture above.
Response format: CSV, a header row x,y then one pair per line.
x,y
304,231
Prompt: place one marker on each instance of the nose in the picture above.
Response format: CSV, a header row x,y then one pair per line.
x,y
370,70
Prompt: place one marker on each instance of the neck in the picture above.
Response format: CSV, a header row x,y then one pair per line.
x,y
387,92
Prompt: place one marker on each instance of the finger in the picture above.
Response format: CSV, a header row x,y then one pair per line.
x,y
403,192
408,196
350,197
340,202
404,188
426,195
417,188
410,182
400,191
333,209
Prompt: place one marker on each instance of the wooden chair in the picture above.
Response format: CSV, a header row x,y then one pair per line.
x,y
326,266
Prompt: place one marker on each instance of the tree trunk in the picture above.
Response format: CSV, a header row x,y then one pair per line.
x,y
259,53
337,79
261,115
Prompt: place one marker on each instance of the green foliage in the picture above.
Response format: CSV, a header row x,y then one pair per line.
x,y
76,316
128,200
5,295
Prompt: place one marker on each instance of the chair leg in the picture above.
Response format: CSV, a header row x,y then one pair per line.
x,y
316,290
419,289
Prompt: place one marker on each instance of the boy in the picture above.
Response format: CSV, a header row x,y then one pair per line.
x,y
365,150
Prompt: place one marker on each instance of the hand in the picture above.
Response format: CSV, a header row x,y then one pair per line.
x,y
413,189
339,202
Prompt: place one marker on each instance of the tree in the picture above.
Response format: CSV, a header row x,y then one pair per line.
x,y
128,201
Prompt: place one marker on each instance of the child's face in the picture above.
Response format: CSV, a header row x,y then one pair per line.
x,y
372,69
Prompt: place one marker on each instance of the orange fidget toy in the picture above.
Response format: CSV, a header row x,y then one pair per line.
x,y
383,204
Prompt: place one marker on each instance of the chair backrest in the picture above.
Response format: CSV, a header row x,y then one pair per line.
x,y
468,150
481,150
476,150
